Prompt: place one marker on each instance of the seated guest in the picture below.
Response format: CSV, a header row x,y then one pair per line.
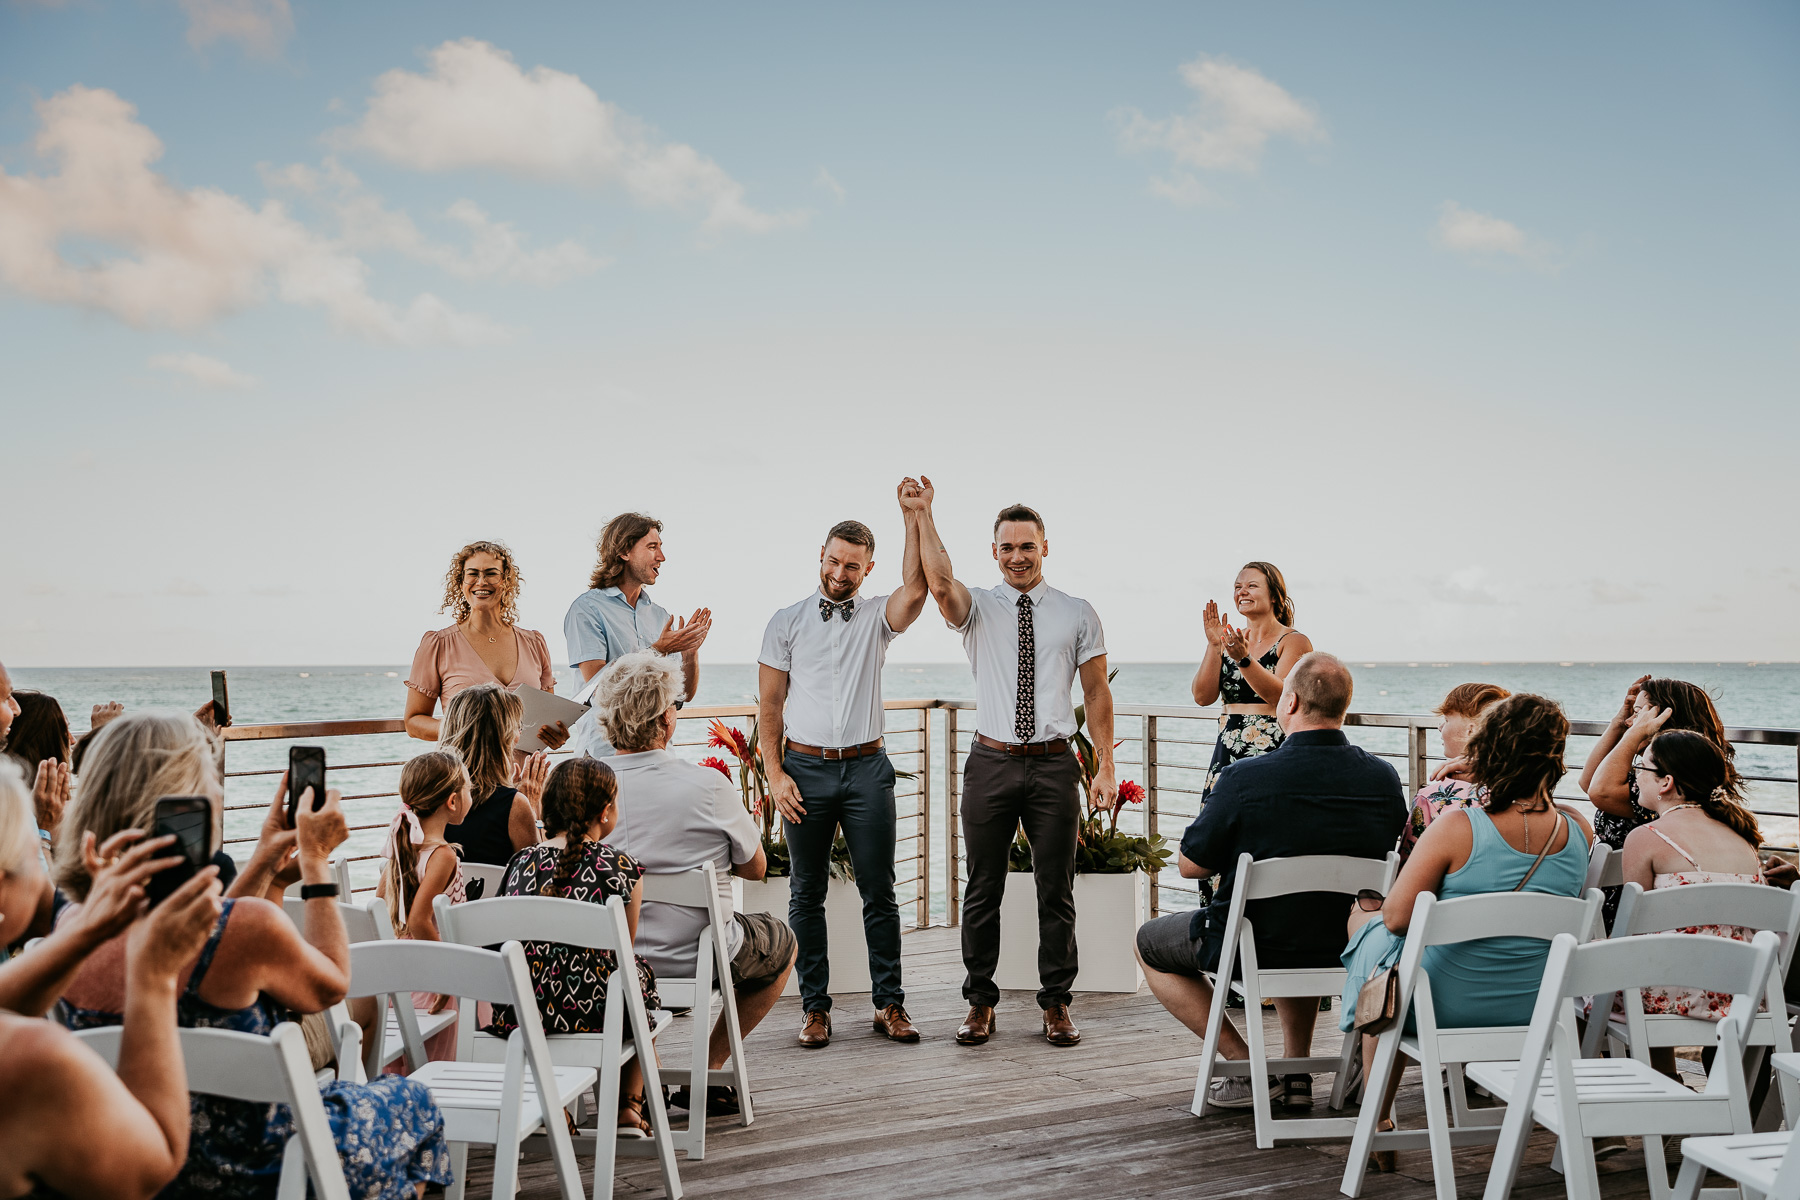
x,y
673,816
1314,794
71,1124
1608,779
253,970
484,646
1450,786
482,725
39,742
1702,834
575,863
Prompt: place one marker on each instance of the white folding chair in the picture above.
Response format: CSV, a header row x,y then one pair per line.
x,y
1662,910
340,875
711,981
1766,1166
1579,1099
497,1104
1442,1052
1263,880
490,877
261,1070
596,927
405,1029
1606,867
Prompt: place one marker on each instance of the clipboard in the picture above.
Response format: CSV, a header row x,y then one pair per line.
x,y
544,708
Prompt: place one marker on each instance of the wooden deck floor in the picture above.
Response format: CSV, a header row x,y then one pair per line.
x,y
1017,1117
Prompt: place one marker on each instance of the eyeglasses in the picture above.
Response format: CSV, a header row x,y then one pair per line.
x,y
1369,900
1638,764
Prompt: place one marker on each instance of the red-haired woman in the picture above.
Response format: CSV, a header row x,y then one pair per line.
x,y
1244,668
1448,787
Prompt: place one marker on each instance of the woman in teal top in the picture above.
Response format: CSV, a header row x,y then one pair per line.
x,y
1516,753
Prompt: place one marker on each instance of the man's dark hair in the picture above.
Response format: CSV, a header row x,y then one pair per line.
x,y
1322,684
854,532
1018,512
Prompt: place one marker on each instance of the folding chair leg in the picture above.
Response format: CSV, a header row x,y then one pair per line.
x,y
459,1171
1437,1126
1339,1083
293,1172
606,1136
697,1075
1209,1046
1579,1175
1687,1184
1508,1153
1259,1070
660,1131
1375,1077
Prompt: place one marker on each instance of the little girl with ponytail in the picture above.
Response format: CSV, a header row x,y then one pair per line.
x,y
434,793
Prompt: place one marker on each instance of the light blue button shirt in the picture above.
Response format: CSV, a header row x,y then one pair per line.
x,y
602,626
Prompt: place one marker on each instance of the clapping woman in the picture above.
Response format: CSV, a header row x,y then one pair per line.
x,y
1244,668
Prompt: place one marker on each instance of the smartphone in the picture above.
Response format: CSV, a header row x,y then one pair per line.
x,y
221,705
306,769
190,819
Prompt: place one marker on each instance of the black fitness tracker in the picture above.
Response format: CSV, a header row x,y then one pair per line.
x,y
318,891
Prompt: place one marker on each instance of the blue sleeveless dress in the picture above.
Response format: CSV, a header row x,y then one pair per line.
x,y
389,1133
1489,981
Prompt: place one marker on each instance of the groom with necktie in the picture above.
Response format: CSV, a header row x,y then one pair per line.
x,y
1026,642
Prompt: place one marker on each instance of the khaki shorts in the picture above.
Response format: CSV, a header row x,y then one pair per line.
x,y
767,950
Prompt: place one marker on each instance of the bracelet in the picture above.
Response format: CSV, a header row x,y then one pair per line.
x,y
318,891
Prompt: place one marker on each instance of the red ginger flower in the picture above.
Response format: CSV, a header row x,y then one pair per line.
x,y
1131,792
725,737
717,764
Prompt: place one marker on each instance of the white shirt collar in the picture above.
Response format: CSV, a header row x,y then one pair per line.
x,y
1012,593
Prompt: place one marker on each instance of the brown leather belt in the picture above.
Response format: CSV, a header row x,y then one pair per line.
x,y
1017,749
833,755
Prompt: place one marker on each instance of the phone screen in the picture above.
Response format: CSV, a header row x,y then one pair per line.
x,y
190,820
306,769
221,704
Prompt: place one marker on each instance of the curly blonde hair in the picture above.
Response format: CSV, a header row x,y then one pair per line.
x,y
510,581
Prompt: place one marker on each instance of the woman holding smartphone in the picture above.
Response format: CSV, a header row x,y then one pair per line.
x,y
253,969
481,590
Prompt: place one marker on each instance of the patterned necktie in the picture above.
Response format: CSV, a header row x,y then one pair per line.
x,y
1025,711
826,608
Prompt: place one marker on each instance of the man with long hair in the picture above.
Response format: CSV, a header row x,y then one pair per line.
x,y
1026,643
821,728
616,617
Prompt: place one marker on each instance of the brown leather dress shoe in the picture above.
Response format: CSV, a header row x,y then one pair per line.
x,y
894,1022
1059,1026
978,1026
816,1032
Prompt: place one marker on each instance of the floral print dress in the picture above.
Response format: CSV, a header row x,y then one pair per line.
x,y
1242,735
1687,1001
389,1133
1433,799
571,981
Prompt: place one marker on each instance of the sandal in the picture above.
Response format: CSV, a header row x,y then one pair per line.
x,y
632,1124
1383,1160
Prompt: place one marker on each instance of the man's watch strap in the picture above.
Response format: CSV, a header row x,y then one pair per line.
x,y
318,891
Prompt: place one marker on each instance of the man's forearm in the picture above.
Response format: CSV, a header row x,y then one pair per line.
x,y
690,672
1100,728
770,713
933,558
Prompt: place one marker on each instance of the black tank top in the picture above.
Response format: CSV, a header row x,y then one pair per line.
x,y
483,835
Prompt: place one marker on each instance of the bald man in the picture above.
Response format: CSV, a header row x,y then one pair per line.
x,y
1313,794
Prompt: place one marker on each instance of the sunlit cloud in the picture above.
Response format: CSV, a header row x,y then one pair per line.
x,y
201,369
1489,239
261,27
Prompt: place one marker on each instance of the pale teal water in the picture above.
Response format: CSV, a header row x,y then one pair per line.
x,y
1754,695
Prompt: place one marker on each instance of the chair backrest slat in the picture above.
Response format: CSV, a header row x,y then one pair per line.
x,y
402,967
1272,877
1503,914
1671,959
1751,905
528,918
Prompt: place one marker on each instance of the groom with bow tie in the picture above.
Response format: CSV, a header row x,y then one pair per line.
x,y
820,728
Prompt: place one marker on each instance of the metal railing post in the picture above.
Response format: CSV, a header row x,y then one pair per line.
x,y
952,834
1416,760
922,915
1150,808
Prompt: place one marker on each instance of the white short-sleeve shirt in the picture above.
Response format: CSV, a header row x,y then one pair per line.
x,y
673,816
1065,632
834,669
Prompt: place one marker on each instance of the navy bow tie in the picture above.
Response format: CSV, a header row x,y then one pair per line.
x,y
826,608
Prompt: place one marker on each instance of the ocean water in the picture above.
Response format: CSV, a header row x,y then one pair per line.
x,y
1765,695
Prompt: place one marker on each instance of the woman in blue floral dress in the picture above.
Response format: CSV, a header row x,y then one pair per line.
x,y
1243,669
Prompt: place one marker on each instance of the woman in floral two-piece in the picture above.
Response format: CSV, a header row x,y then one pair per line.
x,y
1459,709
1243,668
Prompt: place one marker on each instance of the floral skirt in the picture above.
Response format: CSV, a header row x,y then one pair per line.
x,y
1241,736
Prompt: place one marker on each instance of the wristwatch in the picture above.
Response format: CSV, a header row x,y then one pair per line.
x,y
1243,662
318,891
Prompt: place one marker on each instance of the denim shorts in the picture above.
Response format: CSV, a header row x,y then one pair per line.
x,y
1164,945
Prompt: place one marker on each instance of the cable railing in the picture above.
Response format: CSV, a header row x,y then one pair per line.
x,y
1165,748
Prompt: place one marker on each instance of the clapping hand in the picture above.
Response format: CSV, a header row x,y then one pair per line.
x,y
531,775
1233,641
1214,628
50,793
103,713
684,637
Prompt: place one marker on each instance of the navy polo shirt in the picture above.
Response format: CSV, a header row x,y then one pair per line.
x,y
1313,794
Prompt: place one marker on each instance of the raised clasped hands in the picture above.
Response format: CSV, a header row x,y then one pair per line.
x,y
684,637
784,793
914,495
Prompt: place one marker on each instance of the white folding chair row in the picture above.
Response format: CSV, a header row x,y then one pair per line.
x,y
262,1070
496,1104
595,927
1442,1053
405,1029
1765,1165
1579,1099
711,982
340,875
1263,880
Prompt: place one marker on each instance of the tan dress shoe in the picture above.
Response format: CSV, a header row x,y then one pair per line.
x,y
816,1032
1059,1026
978,1026
894,1022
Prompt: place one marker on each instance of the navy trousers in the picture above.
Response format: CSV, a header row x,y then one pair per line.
x,y
857,795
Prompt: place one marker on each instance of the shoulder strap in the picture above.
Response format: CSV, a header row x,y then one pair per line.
x,y
1674,845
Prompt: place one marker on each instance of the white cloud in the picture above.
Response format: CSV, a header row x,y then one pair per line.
x,y
1236,111
1466,586
1488,238
1605,591
185,258
496,249
477,109
828,181
201,369
260,26
1181,188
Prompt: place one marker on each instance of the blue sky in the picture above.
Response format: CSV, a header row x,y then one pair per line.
x,y
1480,321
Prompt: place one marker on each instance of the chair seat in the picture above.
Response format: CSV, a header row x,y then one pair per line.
x,y
393,1046
1295,981
1629,1097
1752,1159
1471,1044
572,1049
469,1094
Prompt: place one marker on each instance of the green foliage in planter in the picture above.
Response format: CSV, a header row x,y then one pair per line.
x,y
1100,850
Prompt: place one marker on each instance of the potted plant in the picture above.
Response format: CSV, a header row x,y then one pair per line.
x,y
849,959
1112,894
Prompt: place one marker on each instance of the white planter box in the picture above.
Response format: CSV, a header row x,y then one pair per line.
x,y
1108,911
849,952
